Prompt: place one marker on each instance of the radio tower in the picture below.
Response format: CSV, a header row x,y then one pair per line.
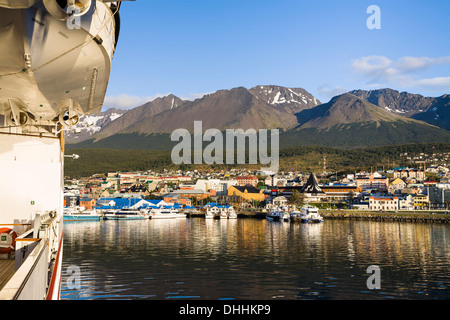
x,y
324,165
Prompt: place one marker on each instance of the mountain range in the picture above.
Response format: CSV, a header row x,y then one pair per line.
x,y
357,118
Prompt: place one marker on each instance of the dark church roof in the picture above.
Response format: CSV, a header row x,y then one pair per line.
x,y
249,188
312,185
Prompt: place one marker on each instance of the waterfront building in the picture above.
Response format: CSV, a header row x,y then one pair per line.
x,y
421,201
383,203
277,202
439,196
71,199
406,202
359,205
88,203
117,202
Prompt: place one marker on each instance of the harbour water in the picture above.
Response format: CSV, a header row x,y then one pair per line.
x,y
250,259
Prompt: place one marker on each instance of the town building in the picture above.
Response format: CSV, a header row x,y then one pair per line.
x,y
247,180
405,173
373,182
406,202
397,185
88,203
383,203
312,191
177,199
421,201
219,186
439,196
197,194
277,202
237,194
341,192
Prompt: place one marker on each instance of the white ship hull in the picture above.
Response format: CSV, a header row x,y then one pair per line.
x,y
32,189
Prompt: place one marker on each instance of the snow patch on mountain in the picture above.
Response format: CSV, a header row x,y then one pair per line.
x,y
91,124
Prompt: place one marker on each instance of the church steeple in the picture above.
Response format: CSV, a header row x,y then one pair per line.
x,y
312,185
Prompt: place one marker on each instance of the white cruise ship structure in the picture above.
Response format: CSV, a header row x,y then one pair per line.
x,y
55,65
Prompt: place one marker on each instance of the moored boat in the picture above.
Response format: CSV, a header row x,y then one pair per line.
x,y
126,214
310,214
232,215
162,213
179,214
273,215
73,215
223,215
285,216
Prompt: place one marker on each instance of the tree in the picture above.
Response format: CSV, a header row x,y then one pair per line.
x,y
297,198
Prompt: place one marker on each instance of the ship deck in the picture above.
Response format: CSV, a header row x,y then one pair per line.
x,y
7,269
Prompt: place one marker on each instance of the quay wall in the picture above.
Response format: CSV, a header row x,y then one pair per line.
x,y
386,216
359,215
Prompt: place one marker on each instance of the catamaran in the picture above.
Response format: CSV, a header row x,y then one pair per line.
x,y
55,65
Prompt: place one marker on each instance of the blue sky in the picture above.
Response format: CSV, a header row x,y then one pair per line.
x,y
193,47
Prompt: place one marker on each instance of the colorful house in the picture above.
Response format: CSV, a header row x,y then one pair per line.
x,y
88,203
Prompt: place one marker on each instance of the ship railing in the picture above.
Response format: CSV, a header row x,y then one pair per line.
x,y
36,250
36,130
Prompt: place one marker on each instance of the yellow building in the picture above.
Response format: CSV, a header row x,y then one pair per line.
x,y
421,201
248,193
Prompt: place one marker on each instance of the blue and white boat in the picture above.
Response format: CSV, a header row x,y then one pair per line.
x,y
273,215
73,214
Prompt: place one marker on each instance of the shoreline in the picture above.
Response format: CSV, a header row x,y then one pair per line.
x,y
416,217
360,215
388,216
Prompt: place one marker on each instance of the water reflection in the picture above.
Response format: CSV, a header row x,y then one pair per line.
x,y
254,259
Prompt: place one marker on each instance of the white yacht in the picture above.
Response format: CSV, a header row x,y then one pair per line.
x,y
232,214
223,215
126,214
227,212
210,214
310,214
162,213
179,214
